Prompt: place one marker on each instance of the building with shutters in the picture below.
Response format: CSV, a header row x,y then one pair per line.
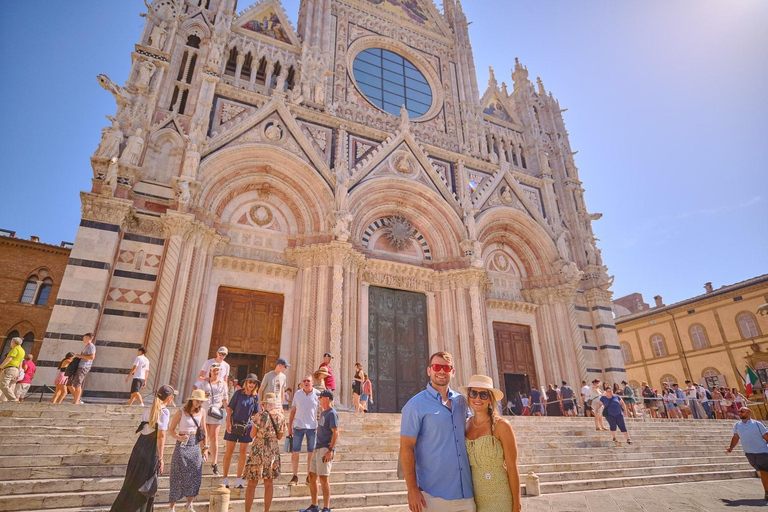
x,y
343,185
709,339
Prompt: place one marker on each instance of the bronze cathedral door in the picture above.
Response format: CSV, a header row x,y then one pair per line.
x,y
249,324
398,347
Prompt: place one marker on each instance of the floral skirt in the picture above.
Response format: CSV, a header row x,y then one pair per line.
x,y
263,462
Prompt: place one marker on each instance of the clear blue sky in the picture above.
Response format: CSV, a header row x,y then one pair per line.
x,y
667,105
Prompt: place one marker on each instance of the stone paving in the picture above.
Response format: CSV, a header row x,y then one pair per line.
x,y
741,495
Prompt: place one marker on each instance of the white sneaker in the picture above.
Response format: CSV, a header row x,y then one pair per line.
x,y
190,508
239,484
225,482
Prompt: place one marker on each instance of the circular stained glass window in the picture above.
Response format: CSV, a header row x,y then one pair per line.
x,y
389,81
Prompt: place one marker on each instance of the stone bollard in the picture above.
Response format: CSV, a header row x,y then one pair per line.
x,y
219,500
532,487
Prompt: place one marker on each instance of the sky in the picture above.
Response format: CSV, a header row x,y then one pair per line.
x,y
666,105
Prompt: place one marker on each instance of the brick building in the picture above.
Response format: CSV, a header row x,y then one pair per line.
x,y
29,282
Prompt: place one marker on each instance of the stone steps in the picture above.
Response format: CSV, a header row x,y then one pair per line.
x,y
76,459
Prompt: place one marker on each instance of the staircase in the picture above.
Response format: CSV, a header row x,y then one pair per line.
x,y
70,458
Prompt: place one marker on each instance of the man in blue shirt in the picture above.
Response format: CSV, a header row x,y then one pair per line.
x,y
433,452
753,436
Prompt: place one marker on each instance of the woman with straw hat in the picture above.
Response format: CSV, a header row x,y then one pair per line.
x,y
190,451
264,459
491,446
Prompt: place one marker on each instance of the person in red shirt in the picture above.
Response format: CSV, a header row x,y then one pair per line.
x,y
22,386
330,380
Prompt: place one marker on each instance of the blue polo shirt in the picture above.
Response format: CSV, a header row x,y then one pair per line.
x,y
442,465
751,434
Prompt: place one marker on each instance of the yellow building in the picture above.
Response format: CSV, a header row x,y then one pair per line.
x,y
707,339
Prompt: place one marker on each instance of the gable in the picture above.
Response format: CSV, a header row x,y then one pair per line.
x,y
274,124
266,20
421,13
497,108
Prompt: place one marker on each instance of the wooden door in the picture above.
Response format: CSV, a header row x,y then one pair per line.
x,y
249,324
514,353
398,346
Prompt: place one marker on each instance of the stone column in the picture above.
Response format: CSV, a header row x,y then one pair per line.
x,y
561,346
176,226
363,325
201,262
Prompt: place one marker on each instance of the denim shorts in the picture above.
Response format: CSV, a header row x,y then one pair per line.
x,y
298,436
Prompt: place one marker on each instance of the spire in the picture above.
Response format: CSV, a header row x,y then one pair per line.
x,y
519,75
504,89
492,83
541,86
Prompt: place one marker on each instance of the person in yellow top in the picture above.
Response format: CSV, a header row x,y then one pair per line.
x,y
492,449
10,371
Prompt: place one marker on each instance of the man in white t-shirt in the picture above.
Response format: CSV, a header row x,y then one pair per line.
x,y
223,372
585,397
139,372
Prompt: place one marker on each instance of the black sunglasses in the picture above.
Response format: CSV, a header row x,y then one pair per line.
x,y
484,395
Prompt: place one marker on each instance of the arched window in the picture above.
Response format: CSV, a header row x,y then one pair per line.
x,y
747,325
626,351
30,287
712,377
658,345
698,337
28,343
668,379
7,344
45,291
184,75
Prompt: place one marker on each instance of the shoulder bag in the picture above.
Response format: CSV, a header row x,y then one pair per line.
x,y
214,411
200,433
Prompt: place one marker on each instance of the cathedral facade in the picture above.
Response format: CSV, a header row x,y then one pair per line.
x,y
343,187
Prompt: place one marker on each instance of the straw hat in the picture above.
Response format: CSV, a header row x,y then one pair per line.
x,y
482,382
271,400
198,394
322,373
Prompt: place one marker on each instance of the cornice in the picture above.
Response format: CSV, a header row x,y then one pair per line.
x,y
35,246
254,267
752,285
511,305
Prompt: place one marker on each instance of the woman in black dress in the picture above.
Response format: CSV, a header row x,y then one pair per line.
x,y
147,455
553,402
357,385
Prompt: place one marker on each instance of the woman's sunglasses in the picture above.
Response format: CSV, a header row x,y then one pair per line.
x,y
484,395
441,367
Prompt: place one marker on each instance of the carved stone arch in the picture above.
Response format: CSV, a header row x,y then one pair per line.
x,y
423,207
515,229
164,155
270,171
376,234
195,27
22,328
